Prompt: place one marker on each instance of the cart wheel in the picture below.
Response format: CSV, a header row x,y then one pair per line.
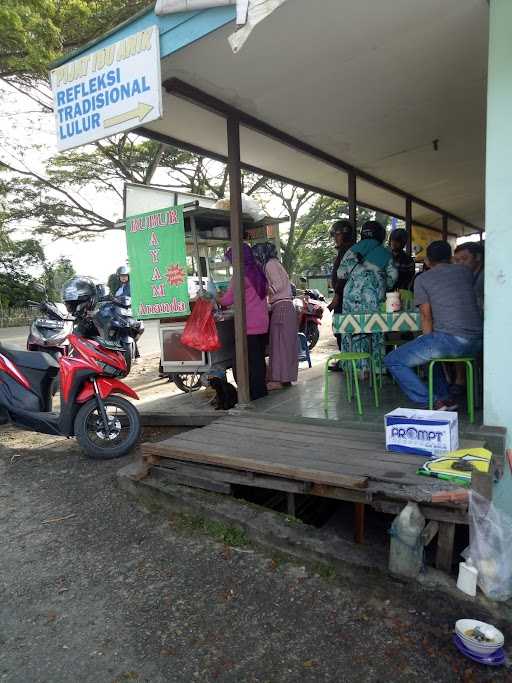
x,y
186,382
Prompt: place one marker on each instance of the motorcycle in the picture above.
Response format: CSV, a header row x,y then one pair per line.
x,y
112,320
310,315
106,426
49,331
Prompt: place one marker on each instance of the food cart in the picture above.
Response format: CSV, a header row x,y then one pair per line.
x,y
207,237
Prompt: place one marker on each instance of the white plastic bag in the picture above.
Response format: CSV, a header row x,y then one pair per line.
x,y
490,547
249,206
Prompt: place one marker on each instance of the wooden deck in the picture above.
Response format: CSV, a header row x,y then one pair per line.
x,y
319,460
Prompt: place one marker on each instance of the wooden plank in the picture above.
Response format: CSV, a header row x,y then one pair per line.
x,y
273,451
193,482
439,514
266,448
339,493
445,538
236,477
235,461
429,532
373,450
325,431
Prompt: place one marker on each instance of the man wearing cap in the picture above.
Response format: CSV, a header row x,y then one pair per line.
x,y
343,234
451,325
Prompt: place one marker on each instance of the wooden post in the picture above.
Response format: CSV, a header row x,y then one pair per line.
x,y
445,227
352,201
237,241
408,224
359,509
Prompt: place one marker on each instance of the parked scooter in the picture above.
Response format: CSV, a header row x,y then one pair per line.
x,y
50,330
114,322
105,426
310,312
100,315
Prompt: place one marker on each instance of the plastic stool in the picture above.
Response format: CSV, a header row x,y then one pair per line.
x,y
350,360
470,382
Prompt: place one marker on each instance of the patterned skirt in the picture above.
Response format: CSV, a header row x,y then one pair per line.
x,y
283,349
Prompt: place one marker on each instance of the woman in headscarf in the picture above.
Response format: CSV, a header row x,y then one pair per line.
x,y
369,272
256,314
283,356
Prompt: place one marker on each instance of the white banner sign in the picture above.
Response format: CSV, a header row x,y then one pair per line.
x,y
108,91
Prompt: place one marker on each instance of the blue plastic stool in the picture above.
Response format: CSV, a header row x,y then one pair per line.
x,y
303,353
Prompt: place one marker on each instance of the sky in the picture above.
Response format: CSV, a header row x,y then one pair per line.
x,y
18,122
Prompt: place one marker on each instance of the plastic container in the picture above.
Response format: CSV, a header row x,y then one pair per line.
x,y
467,579
406,552
393,303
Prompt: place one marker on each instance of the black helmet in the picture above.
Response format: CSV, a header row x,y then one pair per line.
x,y
373,230
342,226
399,235
123,270
79,295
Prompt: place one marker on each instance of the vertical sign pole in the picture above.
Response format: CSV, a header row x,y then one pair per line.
x,y
235,193
193,230
445,227
352,202
408,224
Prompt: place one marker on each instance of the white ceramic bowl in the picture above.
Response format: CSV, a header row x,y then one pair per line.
x,y
464,625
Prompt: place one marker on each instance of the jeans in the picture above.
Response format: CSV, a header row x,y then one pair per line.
x,y
401,362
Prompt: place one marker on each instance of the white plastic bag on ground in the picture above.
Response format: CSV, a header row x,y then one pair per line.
x,y
490,547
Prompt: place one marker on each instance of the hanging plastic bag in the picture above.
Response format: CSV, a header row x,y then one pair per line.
x,y
200,330
490,547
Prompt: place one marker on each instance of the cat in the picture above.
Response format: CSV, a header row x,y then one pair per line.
x,y
226,394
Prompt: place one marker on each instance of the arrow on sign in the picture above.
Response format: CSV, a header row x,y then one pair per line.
x,y
140,112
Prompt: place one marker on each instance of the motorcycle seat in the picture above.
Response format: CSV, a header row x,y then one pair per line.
x,y
36,360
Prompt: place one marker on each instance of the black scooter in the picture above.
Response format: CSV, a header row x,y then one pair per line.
x,y
112,320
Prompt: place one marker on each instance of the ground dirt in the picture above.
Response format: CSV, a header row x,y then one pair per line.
x,y
94,589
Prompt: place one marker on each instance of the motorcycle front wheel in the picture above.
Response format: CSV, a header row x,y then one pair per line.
x,y
123,428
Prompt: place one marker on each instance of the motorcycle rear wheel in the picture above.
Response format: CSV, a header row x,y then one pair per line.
x,y
124,422
312,334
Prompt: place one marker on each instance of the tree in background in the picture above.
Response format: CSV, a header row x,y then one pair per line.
x,y
55,275
33,33
20,261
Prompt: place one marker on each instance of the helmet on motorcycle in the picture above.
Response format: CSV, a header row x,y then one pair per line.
x,y
79,295
123,270
373,230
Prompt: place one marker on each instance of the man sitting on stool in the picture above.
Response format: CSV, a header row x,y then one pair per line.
x,y
451,325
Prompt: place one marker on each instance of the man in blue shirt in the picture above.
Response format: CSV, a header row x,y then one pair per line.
x,y
451,323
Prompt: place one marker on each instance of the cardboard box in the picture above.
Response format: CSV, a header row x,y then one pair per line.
x,y
422,432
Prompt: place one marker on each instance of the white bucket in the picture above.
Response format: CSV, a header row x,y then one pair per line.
x,y
468,576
